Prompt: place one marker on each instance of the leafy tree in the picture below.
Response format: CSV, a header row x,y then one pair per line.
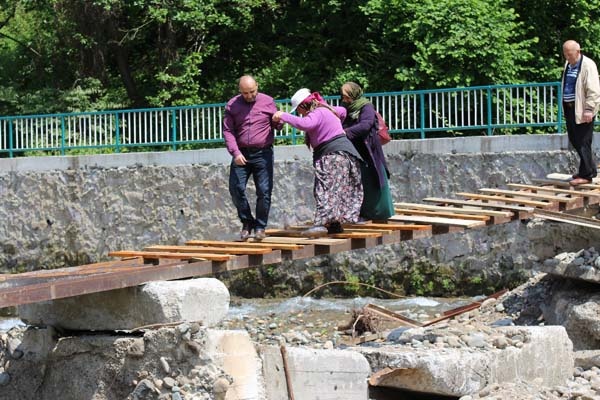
x,y
554,22
67,55
454,42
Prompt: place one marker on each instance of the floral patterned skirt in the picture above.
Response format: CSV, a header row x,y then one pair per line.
x,y
338,189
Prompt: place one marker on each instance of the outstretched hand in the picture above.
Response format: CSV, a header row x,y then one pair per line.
x,y
277,116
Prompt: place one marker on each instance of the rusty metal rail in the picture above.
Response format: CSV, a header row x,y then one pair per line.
x,y
207,258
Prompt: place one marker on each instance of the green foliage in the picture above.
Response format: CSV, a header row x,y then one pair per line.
x,y
419,285
425,278
353,283
67,55
455,42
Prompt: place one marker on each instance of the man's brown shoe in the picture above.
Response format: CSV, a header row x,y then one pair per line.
x,y
579,181
260,234
244,234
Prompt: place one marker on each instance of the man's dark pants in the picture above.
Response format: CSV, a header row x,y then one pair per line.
x,y
580,136
259,165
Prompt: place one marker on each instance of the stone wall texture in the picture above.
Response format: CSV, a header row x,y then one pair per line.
x,y
72,216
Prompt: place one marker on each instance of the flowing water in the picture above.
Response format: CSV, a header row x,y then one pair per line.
x,y
418,308
313,310
322,319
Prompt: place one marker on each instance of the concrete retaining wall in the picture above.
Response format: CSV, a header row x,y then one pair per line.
x,y
59,211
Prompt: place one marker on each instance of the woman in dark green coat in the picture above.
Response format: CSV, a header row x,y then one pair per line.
x,y
361,128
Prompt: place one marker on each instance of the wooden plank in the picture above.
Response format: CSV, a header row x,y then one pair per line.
x,y
28,279
306,251
385,313
163,254
346,245
456,210
365,243
442,214
573,191
77,285
479,204
356,235
203,249
288,251
560,177
568,218
505,199
438,221
568,221
555,183
300,240
249,261
362,229
87,269
368,337
527,195
294,232
393,226
371,230
568,177
389,238
321,245
258,245
566,184
417,234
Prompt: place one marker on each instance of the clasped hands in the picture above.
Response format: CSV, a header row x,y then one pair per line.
x,y
277,116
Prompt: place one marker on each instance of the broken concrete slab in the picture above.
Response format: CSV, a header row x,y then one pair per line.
x,y
545,352
581,265
111,366
576,309
315,374
234,352
587,359
203,300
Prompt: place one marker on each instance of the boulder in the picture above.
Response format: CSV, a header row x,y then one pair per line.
x,y
578,310
205,300
581,265
545,353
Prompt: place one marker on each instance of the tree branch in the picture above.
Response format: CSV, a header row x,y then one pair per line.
x,y
21,43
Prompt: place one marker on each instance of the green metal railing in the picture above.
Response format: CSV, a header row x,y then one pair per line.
x,y
480,110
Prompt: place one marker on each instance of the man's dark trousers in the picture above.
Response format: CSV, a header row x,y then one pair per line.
x,y
259,165
580,137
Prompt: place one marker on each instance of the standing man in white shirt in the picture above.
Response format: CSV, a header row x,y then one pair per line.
x,y
581,99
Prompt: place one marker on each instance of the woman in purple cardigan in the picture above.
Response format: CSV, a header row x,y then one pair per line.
x,y
361,128
337,188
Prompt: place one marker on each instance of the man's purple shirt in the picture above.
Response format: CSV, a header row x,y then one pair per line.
x,y
249,124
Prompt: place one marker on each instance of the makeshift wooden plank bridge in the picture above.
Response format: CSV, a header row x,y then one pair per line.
x,y
550,198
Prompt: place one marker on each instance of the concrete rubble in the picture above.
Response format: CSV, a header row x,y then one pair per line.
x,y
540,339
134,307
582,265
315,374
492,355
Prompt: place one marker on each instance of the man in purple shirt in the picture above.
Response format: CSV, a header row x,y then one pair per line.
x,y
249,133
